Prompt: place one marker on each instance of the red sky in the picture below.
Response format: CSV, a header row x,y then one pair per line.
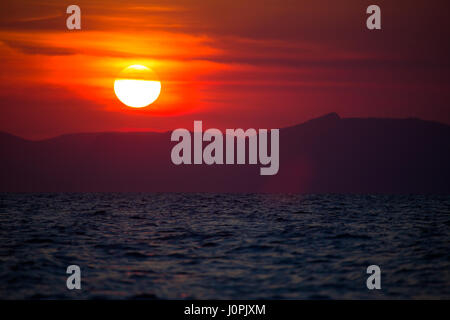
x,y
246,63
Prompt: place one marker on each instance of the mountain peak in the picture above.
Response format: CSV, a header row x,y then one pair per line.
x,y
333,116
322,121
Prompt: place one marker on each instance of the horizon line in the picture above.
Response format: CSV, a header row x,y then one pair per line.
x,y
143,131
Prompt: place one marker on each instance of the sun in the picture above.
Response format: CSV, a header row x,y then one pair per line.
x,y
137,86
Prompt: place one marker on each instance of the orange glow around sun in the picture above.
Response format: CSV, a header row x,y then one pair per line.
x,y
90,61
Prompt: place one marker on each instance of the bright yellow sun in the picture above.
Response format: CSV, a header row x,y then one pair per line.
x,y
137,86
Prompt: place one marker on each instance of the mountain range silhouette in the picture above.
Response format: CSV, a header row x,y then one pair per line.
x,y
324,155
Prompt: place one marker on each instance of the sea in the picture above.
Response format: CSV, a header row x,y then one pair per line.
x,y
224,246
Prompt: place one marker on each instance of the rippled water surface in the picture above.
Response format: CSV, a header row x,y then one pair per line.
x,y
224,246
